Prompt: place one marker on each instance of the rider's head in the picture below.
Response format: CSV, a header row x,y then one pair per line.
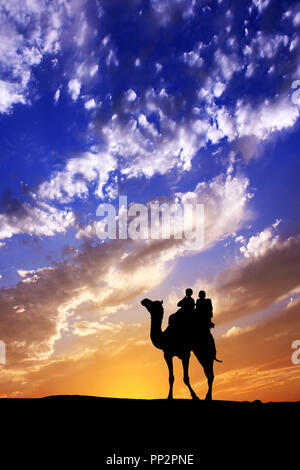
x,y
188,292
202,294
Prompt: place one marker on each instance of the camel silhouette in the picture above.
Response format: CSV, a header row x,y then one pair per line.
x,y
175,345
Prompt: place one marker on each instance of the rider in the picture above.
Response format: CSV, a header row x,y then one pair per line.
x,y
187,303
204,311
203,322
181,321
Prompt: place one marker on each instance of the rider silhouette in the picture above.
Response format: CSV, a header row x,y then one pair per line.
x,y
182,320
204,311
187,303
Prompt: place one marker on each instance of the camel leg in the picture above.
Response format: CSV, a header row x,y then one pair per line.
x,y
208,367
169,361
185,364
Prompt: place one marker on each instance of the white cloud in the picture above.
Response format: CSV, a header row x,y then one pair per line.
x,y
294,42
20,52
74,87
40,220
147,151
260,243
268,118
145,124
24,273
250,69
74,180
226,123
90,104
225,205
111,58
57,95
265,45
219,88
131,95
93,70
89,231
226,65
33,275
165,9
52,44
296,19
193,59
250,123
31,30
87,328
19,308
261,4
10,94
236,331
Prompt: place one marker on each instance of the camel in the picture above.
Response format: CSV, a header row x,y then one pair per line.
x,y
172,345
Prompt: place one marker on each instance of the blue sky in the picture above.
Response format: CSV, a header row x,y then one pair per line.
x,y
148,99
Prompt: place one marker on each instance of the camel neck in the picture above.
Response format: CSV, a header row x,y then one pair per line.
x,y
155,330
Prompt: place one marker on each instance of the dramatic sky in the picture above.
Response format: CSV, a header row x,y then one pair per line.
x,y
156,100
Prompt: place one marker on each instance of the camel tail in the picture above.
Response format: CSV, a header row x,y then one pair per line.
x,y
218,360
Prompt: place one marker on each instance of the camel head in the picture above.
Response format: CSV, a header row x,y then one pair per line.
x,y
154,307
